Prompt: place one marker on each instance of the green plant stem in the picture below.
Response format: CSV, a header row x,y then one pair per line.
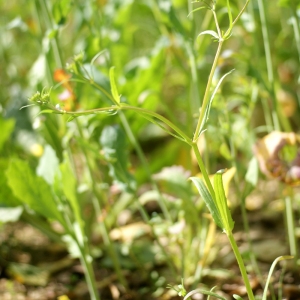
x,y
206,99
181,135
241,265
97,207
54,41
203,169
291,224
86,262
264,29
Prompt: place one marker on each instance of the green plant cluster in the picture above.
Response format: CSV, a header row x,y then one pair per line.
x,y
108,108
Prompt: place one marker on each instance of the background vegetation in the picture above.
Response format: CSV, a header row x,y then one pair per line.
x,y
114,186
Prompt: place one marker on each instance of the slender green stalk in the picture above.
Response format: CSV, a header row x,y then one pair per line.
x,y
86,262
203,169
291,224
122,106
241,265
269,64
97,207
206,99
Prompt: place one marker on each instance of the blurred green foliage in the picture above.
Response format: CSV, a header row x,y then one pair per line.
x,y
161,64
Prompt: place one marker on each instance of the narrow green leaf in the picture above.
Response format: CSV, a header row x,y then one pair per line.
x,y
196,9
286,257
211,205
210,32
229,14
114,90
222,202
31,189
205,119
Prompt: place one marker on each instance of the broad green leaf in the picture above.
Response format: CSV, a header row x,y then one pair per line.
x,y
48,165
221,202
31,189
113,85
211,205
113,141
7,127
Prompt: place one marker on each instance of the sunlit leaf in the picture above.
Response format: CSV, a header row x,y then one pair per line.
x,y
31,189
210,32
221,202
210,203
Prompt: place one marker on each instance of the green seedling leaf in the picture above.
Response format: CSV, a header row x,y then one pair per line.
x,y
210,32
278,259
113,85
210,203
221,202
31,189
113,141
7,126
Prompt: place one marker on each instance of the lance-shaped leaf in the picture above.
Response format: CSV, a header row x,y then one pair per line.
x,y
221,202
209,201
210,32
114,90
31,189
